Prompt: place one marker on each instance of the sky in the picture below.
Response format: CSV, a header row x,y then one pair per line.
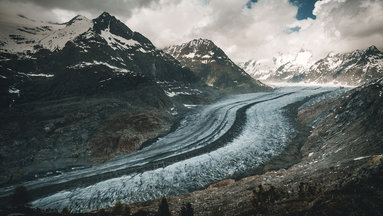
x,y
244,29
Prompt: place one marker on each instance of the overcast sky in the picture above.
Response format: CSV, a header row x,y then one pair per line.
x,y
244,29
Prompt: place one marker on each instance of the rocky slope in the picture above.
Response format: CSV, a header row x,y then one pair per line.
x,y
82,92
215,68
340,171
353,68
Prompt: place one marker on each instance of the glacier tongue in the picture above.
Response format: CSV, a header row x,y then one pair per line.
x,y
264,135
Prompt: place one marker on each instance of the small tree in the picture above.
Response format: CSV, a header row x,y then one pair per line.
x,y
121,209
20,196
163,208
187,210
141,212
65,211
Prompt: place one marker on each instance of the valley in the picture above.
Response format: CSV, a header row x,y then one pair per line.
x,y
223,139
96,119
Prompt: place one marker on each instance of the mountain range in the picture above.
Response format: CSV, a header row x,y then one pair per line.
x,y
84,91
77,94
352,68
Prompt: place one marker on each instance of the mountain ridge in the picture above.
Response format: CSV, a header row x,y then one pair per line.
x,y
215,68
350,68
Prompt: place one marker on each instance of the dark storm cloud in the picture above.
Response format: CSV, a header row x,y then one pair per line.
x,y
122,8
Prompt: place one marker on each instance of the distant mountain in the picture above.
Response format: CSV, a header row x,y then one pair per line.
x,y
215,68
280,67
353,68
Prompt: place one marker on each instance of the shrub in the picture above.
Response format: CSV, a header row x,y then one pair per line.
x,y
187,210
65,211
121,209
20,196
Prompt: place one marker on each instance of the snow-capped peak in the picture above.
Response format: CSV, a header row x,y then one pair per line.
x,y
73,28
303,59
75,19
278,65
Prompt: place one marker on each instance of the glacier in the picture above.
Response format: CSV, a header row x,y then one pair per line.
x,y
174,170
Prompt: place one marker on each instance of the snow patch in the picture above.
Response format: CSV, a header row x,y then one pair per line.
x,y
190,55
96,63
37,75
117,42
189,106
14,91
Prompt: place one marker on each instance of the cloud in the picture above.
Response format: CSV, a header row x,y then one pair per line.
x,y
241,31
118,7
265,29
257,32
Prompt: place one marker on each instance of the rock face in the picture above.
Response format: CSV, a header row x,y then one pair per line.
x,y
340,171
353,68
81,92
215,68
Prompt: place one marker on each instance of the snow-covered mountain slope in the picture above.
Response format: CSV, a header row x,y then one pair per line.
x,y
353,68
104,50
280,67
72,29
259,69
22,34
215,68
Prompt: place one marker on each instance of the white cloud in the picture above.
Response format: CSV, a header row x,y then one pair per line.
x,y
260,32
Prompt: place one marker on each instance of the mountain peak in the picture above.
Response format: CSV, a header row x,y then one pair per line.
x,y
110,23
200,41
105,15
76,19
372,50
